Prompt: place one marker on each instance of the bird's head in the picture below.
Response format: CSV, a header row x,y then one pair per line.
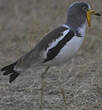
x,y
79,13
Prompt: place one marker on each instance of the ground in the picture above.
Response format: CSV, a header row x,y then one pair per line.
x,y
22,24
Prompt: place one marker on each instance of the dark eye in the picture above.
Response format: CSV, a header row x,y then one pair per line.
x,y
84,8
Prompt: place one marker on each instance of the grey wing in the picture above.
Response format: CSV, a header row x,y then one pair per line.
x,y
36,56
33,58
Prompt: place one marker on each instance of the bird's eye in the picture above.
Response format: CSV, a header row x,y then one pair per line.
x,y
84,8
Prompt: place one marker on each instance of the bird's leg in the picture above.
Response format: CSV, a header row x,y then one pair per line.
x,y
63,95
62,91
42,84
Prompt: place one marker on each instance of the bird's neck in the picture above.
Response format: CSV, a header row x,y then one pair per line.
x,y
81,30
76,22
78,29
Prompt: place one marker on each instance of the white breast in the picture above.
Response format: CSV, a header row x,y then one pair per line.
x,y
69,49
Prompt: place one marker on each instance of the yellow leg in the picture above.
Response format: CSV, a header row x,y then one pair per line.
x,y
63,96
61,84
42,84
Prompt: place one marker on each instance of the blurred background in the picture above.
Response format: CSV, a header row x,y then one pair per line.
x,y
22,24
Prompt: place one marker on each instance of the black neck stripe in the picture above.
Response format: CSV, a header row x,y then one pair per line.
x,y
78,34
52,53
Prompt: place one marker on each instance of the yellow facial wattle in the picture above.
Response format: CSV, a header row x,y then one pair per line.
x,y
89,18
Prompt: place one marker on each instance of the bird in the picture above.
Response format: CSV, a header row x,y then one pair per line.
x,y
58,46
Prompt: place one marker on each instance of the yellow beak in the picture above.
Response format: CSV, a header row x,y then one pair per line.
x,y
89,13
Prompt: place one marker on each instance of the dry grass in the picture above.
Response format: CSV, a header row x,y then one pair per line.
x,y
22,24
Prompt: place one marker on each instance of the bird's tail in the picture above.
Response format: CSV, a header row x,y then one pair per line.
x,y
9,70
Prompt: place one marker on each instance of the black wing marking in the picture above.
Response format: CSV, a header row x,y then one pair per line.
x,y
33,56
50,37
52,53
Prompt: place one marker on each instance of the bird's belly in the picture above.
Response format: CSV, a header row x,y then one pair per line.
x,y
67,51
